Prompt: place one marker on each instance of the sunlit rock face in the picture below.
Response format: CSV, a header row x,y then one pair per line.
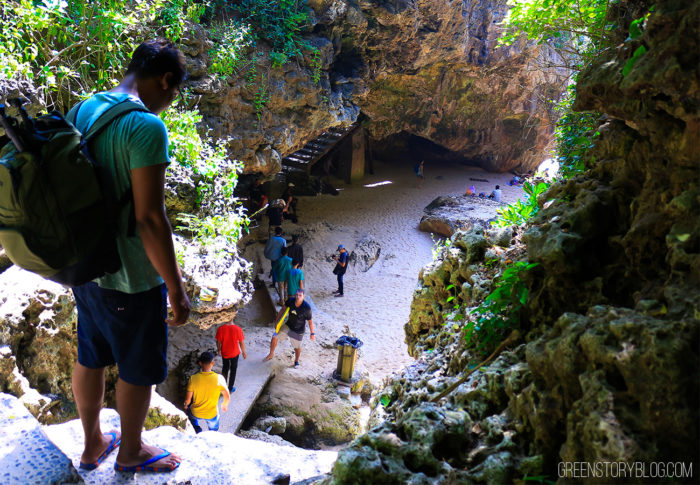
x,y
429,68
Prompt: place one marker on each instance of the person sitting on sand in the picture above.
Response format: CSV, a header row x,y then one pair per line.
x,y
471,191
496,194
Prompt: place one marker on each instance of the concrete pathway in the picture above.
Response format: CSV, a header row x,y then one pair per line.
x,y
251,378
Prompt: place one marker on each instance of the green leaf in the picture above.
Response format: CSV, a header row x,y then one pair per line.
x,y
638,53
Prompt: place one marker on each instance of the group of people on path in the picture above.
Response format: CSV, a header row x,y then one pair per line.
x,y
288,280
205,387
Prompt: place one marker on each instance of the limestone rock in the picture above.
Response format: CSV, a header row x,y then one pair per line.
x,y
4,260
366,253
314,414
28,456
206,457
38,324
270,424
162,412
444,215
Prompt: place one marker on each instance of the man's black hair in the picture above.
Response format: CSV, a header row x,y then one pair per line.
x,y
206,357
278,231
294,262
283,250
295,238
156,57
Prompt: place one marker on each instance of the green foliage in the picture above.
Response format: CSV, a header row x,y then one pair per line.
x,y
215,176
70,48
519,213
439,244
279,23
542,479
638,53
573,27
499,313
230,40
574,135
173,14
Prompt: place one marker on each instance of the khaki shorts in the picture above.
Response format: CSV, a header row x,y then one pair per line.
x,y
284,335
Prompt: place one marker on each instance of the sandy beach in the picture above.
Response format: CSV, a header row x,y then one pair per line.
x,y
386,208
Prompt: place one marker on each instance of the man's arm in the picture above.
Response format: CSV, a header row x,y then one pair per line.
x,y
281,312
188,399
311,327
148,188
227,399
242,345
218,347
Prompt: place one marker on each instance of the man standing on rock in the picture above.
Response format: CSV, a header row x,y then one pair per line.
x,y
299,313
203,394
122,316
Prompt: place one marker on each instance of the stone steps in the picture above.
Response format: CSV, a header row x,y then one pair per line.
x,y
35,454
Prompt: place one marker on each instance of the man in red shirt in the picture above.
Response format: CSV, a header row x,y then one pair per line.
x,y
229,337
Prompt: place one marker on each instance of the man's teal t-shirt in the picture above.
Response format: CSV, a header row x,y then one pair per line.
x,y
293,281
132,141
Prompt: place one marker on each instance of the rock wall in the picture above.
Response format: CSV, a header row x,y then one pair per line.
x,y
429,68
608,368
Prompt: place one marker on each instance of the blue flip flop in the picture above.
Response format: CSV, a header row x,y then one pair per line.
x,y
143,467
112,446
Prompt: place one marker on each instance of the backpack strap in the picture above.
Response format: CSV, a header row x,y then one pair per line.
x,y
120,109
106,118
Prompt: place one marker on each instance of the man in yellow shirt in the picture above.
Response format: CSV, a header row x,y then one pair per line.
x,y
203,394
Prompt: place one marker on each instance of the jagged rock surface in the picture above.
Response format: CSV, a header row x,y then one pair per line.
x,y
446,214
610,370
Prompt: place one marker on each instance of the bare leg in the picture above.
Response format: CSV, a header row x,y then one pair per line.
x,y
273,344
88,389
132,404
297,353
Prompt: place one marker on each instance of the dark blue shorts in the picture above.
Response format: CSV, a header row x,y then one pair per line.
x,y
126,329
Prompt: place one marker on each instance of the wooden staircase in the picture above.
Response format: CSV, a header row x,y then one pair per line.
x,y
316,149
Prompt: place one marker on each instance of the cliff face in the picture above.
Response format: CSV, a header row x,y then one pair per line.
x,y
428,68
609,367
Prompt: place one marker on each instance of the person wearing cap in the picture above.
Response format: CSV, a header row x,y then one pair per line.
x,y
290,203
294,328
202,395
341,265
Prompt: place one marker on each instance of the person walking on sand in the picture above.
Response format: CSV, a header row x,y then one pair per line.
x,y
294,328
418,168
122,316
341,265
230,344
202,398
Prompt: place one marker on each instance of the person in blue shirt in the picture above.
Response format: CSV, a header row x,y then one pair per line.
x,y
280,270
295,280
341,265
273,250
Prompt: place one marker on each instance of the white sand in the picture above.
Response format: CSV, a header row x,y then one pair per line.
x,y
377,303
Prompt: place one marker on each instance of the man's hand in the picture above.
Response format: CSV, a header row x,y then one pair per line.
x,y
224,407
180,305
245,356
313,337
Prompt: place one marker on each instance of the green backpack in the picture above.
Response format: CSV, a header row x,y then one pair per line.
x,y
56,217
